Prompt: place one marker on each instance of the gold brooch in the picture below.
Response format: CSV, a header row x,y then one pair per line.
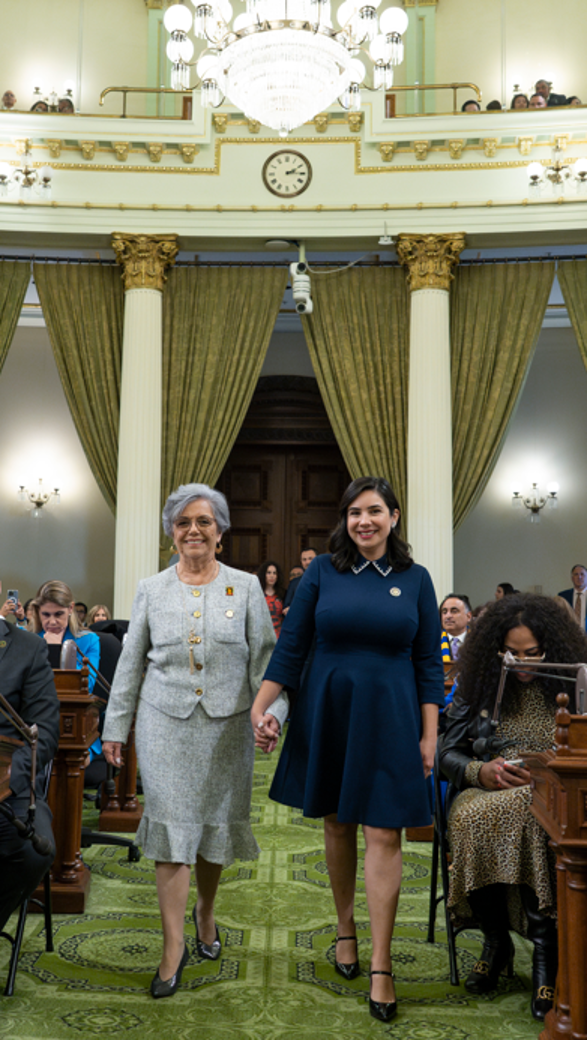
x,y
394,591
229,613
229,590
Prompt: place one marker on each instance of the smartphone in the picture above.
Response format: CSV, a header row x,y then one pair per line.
x,y
520,762
12,594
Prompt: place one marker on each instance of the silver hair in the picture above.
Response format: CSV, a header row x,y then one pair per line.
x,y
179,499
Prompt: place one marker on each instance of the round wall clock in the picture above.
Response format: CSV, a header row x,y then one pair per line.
x,y
287,173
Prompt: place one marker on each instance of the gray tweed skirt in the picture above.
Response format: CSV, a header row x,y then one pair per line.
x,y
197,776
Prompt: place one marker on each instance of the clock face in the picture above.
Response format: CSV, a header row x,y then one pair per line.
x,y
287,173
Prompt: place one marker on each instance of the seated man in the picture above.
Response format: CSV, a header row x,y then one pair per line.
x,y
456,615
26,681
543,88
537,101
306,558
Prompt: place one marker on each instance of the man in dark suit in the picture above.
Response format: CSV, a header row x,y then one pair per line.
x,y
306,558
26,681
543,87
576,596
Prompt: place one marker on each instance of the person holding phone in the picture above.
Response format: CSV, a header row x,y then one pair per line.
x,y
503,871
12,605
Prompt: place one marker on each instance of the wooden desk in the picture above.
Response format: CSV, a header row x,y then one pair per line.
x,y
558,781
78,729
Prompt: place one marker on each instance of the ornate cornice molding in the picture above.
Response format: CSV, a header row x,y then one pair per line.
x,y
144,258
430,258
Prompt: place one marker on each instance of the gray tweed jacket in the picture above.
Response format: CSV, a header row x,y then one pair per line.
x,y
232,642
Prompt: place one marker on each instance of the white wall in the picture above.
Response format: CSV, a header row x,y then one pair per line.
x,y
542,40
74,541
548,437
40,40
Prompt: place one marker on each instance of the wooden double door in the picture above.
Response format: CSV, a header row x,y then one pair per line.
x,y
283,499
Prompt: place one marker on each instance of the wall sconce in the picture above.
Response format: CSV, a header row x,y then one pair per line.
x,y
38,498
563,178
27,178
534,500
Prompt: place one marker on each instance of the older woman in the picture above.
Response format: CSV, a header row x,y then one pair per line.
x,y
502,872
54,617
199,641
364,726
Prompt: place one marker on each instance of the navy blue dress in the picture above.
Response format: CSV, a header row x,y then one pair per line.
x,y
352,746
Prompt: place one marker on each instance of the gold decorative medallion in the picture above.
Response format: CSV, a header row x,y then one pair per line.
x,y
395,591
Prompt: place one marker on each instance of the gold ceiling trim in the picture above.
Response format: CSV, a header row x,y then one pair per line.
x,y
355,207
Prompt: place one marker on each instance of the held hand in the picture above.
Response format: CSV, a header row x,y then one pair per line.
x,y
267,733
19,612
112,753
7,608
489,773
428,747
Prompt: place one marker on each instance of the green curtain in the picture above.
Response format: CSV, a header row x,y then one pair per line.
x,y
14,280
571,275
358,338
496,316
217,324
83,308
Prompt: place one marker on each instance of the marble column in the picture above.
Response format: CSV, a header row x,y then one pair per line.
x,y
429,259
144,259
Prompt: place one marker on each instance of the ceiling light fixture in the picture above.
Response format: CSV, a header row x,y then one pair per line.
x,y
282,61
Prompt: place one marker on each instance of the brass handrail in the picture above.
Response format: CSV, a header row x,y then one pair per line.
x,y
139,90
439,86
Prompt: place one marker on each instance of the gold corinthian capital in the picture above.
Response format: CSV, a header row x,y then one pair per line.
x,y
144,258
429,259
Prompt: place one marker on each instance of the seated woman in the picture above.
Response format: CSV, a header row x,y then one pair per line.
x,y
503,871
99,612
56,620
271,580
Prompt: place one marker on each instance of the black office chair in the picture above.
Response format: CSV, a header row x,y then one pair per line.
x,y
441,854
16,939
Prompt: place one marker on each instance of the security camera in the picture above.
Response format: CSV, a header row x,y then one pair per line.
x,y
300,279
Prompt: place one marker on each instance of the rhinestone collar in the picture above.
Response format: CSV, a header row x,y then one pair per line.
x,y
382,566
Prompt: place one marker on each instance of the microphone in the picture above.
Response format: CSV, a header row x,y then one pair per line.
x,y
42,845
69,656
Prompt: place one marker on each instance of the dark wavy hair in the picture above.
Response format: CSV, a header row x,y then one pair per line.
x,y
557,633
506,587
280,586
344,550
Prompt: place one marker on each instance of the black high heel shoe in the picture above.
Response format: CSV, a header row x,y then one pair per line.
x,y
211,951
378,1009
167,987
497,959
348,971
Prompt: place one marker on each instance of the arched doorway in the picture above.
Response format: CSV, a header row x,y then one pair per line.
x,y
284,477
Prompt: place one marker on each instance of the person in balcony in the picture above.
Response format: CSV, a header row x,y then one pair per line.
x,y
543,87
519,101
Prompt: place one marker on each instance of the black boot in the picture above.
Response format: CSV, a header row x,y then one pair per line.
x,y
542,932
489,907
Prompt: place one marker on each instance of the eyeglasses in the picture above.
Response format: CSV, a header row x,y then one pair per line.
x,y
531,653
202,522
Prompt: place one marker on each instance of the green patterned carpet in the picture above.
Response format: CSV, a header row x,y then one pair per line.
x,y
275,978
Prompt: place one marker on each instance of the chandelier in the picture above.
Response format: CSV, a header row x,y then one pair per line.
x,y
281,62
25,177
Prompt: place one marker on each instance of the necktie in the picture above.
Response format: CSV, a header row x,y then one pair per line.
x,y
578,606
455,648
